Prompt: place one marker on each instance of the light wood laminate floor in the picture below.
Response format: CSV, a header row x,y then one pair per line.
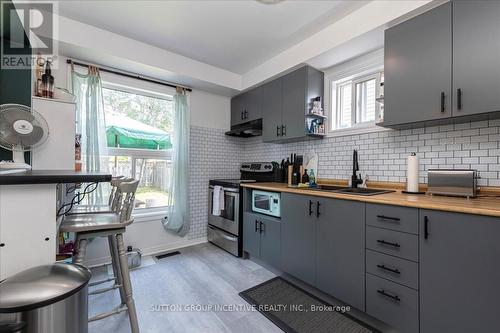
x,y
200,275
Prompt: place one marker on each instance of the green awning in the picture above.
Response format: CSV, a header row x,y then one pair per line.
x,y
125,132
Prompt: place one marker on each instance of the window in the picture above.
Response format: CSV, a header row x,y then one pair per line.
x,y
138,131
354,102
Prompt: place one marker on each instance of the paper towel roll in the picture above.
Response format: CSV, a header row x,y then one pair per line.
x,y
412,173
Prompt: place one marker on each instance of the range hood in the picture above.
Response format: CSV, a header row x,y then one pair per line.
x,y
246,130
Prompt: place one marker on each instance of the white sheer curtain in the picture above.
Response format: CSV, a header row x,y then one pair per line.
x,y
177,219
90,123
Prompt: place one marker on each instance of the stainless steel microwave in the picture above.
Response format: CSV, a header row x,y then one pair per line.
x,y
265,202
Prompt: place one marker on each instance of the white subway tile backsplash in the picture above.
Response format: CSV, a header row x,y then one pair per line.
x,y
465,145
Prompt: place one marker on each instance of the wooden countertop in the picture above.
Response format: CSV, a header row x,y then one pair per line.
x,y
489,206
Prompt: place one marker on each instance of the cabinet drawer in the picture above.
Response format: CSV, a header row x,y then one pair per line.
x,y
392,268
392,217
392,303
395,243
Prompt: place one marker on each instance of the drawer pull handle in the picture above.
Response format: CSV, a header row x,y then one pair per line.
x,y
383,242
2,244
394,297
383,217
393,270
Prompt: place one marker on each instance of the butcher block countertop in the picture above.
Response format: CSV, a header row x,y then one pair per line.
x,y
482,205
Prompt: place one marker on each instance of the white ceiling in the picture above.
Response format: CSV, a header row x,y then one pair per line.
x,y
234,35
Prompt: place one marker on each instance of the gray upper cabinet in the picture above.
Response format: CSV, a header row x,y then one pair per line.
x,y
443,65
247,106
285,102
340,250
476,54
298,236
418,55
272,110
238,109
253,105
294,104
459,272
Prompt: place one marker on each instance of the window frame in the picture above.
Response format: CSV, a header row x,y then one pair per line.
x,y
109,82
335,86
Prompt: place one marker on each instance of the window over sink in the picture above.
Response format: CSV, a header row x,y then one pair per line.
x,y
354,102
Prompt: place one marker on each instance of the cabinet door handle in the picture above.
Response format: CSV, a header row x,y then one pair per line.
x,y
393,270
381,241
283,130
278,130
245,114
383,217
261,227
2,244
442,102
317,208
256,225
459,99
386,294
426,227
310,207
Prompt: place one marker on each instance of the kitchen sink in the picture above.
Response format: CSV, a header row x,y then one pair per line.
x,y
349,190
363,191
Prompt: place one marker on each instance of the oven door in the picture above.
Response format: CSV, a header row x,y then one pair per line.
x,y
229,217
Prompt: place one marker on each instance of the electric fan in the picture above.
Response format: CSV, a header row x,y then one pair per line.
x,y
21,129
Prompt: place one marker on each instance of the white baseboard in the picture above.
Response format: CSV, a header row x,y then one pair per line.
x,y
150,251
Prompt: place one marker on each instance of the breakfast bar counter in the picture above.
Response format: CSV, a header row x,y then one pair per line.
x,y
28,221
51,177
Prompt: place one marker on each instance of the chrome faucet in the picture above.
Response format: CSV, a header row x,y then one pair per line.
x,y
355,180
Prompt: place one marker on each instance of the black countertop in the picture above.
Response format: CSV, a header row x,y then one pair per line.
x,y
52,177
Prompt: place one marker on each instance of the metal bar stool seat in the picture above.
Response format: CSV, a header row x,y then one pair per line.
x,y
111,225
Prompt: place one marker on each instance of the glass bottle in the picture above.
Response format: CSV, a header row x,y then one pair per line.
x,y
48,82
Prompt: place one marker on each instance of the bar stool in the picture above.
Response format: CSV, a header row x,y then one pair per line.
x,y
112,205
111,225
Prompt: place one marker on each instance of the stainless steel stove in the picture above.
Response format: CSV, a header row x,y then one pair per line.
x,y
226,229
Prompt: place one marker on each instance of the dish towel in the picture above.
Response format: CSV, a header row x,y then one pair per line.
x,y
218,200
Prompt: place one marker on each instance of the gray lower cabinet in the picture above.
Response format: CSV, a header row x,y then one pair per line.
x,y
459,272
476,52
417,68
298,236
262,238
251,234
340,250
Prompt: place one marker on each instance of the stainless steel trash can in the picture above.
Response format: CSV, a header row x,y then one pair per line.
x,y
48,298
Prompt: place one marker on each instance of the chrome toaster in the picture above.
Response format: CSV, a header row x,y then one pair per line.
x,y
452,182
